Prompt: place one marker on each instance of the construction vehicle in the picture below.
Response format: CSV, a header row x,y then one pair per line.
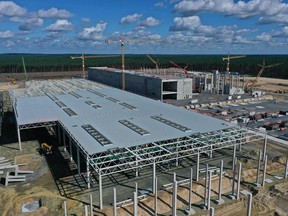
x,y
182,69
45,149
155,62
122,42
251,84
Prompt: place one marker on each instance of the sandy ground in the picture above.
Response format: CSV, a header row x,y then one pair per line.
x,y
270,84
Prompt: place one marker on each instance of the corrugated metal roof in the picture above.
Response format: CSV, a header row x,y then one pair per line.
x,y
108,121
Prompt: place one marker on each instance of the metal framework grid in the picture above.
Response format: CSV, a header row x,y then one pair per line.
x,y
132,158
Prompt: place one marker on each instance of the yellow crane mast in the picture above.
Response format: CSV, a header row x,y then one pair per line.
x,y
123,41
85,57
156,63
228,58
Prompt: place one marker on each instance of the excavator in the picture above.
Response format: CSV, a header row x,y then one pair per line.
x,y
45,149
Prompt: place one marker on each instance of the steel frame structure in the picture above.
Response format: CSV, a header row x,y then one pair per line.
x,y
134,158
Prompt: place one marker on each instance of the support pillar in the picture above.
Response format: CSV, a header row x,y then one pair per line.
x,y
211,211
59,135
137,169
174,199
65,208
264,171
177,160
135,202
286,167
91,204
19,138
155,198
234,176
154,176
249,207
238,181
206,184
64,141
86,210
100,191
88,172
264,147
258,169
211,152
114,202
209,191
234,156
197,167
190,211
220,200
78,160
70,149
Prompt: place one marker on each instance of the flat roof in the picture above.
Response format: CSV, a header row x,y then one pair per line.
x,y
140,73
102,118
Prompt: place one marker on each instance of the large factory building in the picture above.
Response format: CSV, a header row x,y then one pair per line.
x,y
149,85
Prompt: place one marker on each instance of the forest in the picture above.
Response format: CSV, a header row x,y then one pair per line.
x,y
249,65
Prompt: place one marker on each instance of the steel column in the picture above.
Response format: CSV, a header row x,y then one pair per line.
x,y
238,181
190,189
100,191
206,183
258,168
155,198
135,202
264,170
265,146
234,176
154,176
211,211
209,191
174,199
86,210
114,202
78,160
286,167
70,149
65,208
197,167
91,204
19,138
88,172
220,200
249,207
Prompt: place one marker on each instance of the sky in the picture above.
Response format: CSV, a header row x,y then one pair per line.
x,y
148,26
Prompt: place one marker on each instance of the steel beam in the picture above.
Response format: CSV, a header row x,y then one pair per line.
x,y
155,198
114,202
154,176
135,202
91,204
258,168
209,191
220,200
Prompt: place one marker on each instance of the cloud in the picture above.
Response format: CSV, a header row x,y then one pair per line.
x,y
185,23
28,23
9,8
150,22
130,18
54,13
85,19
160,5
93,33
264,37
60,25
267,10
6,34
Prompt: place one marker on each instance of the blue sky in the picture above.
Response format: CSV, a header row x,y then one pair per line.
x,y
150,26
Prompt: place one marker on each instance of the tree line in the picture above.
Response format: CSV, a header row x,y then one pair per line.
x,y
12,63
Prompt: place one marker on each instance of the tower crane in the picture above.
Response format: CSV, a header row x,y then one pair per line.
x,y
156,63
263,67
182,69
228,63
85,57
123,41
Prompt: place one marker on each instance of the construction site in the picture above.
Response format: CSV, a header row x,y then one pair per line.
x,y
144,142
